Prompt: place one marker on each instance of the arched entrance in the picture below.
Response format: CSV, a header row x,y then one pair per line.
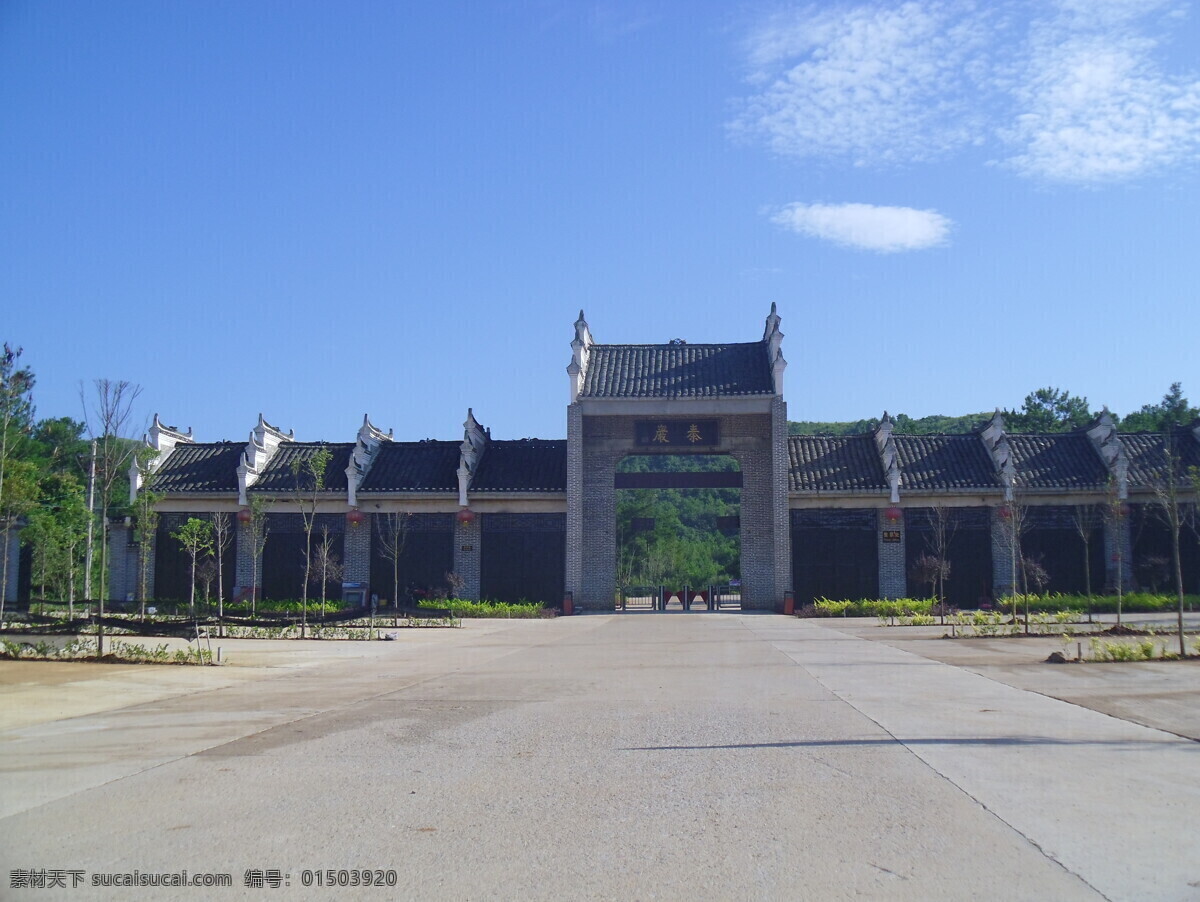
x,y
717,399
678,532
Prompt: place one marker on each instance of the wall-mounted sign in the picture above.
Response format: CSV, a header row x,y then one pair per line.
x,y
468,548
891,536
676,433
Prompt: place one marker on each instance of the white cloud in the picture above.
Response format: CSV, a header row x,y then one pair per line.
x,y
866,226
1096,106
869,84
1075,91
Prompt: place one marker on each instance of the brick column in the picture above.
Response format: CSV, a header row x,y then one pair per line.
x,y
13,553
757,532
892,578
574,550
244,575
356,553
1002,554
598,535
779,501
122,563
1118,539
136,564
468,545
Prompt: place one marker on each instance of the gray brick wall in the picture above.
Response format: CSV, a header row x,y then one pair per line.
x,y
779,499
1002,554
122,563
244,573
137,562
13,552
356,552
598,443
574,549
466,562
1118,538
892,578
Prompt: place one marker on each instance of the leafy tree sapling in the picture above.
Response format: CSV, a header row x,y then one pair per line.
x,y
108,420
391,537
16,412
196,538
222,534
309,482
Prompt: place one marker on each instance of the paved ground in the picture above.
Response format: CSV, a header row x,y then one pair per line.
x,y
610,757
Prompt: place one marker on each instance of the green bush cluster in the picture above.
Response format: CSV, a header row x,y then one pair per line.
x,y
1132,603
886,608
460,607
1146,648
120,652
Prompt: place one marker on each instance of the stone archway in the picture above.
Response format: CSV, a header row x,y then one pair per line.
x,y
677,398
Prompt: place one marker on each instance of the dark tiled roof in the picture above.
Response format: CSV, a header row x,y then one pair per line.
x,y
677,371
942,462
834,463
527,465
278,476
430,466
207,467
1067,461
1147,454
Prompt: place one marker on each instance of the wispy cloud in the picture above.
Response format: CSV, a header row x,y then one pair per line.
x,y
1096,105
1076,91
866,226
868,84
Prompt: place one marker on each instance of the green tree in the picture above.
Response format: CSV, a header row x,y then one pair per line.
x,y
222,534
196,538
109,419
21,493
146,515
16,414
309,475
1172,410
1049,410
391,537
257,530
1168,492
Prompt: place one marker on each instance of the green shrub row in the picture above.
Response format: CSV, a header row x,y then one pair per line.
x,y
117,651
460,607
875,607
1055,603
1132,603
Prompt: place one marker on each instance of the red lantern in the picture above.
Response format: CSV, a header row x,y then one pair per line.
x,y
244,515
466,516
1005,512
355,516
1123,510
893,514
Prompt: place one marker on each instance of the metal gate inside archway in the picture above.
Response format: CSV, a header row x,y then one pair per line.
x,y
678,533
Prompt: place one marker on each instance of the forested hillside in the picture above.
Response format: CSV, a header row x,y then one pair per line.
x,y
684,544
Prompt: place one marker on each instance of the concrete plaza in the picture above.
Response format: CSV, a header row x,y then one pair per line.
x,y
698,756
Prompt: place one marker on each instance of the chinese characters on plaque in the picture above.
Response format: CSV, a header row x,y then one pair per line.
x,y
676,433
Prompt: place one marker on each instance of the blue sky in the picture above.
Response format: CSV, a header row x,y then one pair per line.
x,y
319,210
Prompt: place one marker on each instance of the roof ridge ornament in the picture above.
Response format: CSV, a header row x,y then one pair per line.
x,y
581,346
366,444
474,443
995,441
993,430
1106,441
889,455
262,445
773,338
162,439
